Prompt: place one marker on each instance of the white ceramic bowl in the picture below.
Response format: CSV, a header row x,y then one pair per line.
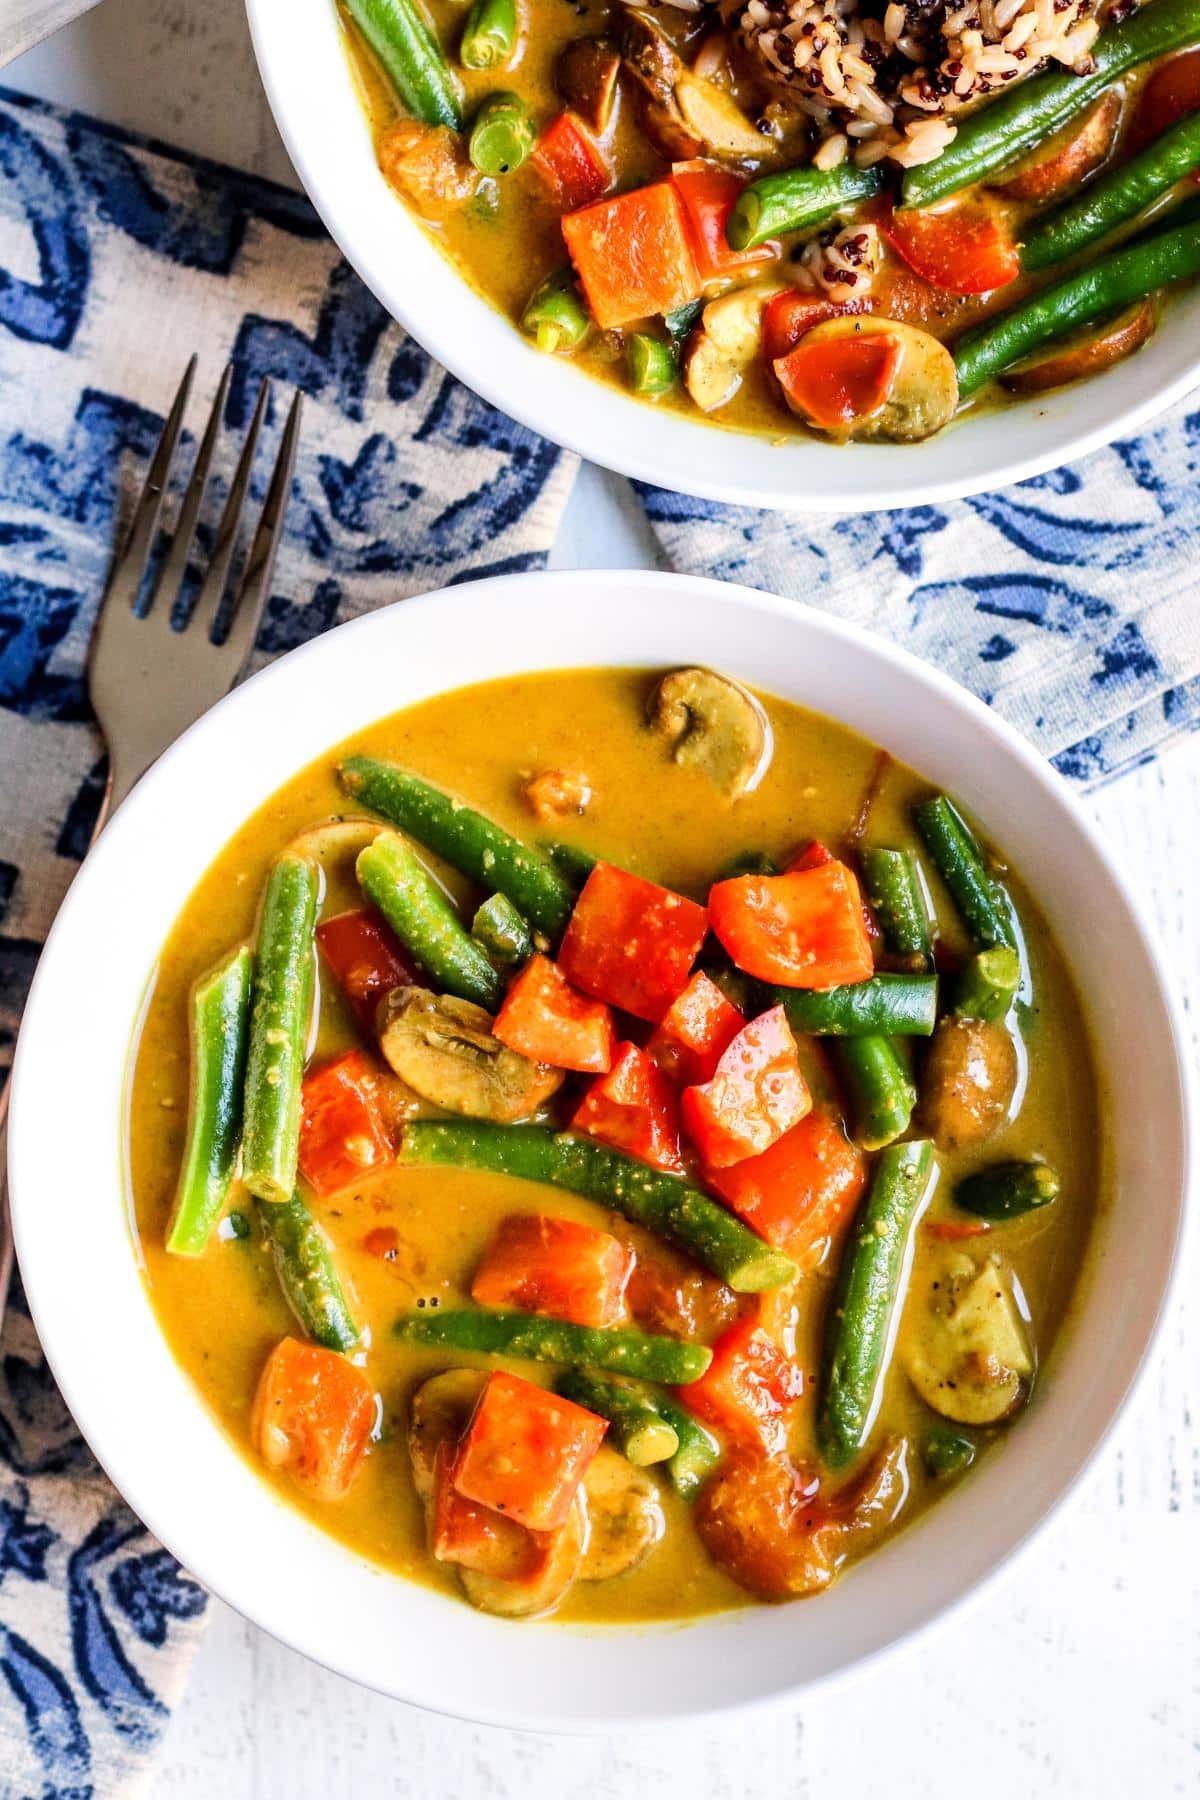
x,y
307,79
139,1411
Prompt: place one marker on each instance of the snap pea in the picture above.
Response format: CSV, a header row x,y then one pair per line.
x,y
988,984
635,1425
883,1006
882,1095
894,889
651,366
661,1203
1007,1190
220,1017
410,57
555,316
865,1301
489,34
1113,281
795,200
1114,197
304,1263
502,135
698,1453
502,931
396,881
279,1018
464,838
946,1452
558,1341
1004,129
983,904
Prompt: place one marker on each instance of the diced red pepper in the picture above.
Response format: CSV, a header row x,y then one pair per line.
x,y
477,1538
801,1192
756,1094
526,1451
631,943
633,254
555,1267
813,856
343,1135
789,315
695,1031
748,1387
313,1416
1172,91
570,162
545,1018
965,251
838,381
803,930
634,1109
708,194
367,960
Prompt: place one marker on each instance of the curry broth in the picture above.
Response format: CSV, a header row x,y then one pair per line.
x,y
223,1312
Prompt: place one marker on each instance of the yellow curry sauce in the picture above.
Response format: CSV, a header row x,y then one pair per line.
x,y
222,1312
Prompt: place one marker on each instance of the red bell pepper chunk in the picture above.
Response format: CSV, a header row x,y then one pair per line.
x,y
1172,90
313,1416
748,1387
788,316
813,856
695,1031
838,381
799,1193
633,254
367,960
570,162
544,1018
525,1452
631,943
555,1267
966,251
634,1109
804,929
343,1135
477,1538
756,1094
708,196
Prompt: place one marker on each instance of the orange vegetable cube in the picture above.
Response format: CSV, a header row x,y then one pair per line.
x,y
313,1416
555,1267
756,1094
633,254
545,1018
805,929
526,1451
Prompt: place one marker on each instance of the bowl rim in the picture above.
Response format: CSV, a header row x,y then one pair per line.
x,y
418,285
60,1338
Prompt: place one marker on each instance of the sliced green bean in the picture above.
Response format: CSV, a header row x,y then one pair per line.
x,y
279,1020
1007,1190
661,1203
396,881
411,58
303,1258
883,1006
988,984
635,1425
1004,129
465,839
652,369
946,1452
555,316
882,1095
895,891
556,1340
796,200
572,861
502,135
220,1021
698,1453
489,35
984,906
1120,194
867,1295
502,932
680,319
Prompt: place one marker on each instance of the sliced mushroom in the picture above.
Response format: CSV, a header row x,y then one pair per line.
x,y
438,1413
924,393
711,723
1088,356
444,1048
624,1514
534,1598
1067,158
649,55
968,1082
723,345
585,74
716,119
966,1349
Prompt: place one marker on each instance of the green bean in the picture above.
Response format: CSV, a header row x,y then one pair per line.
x,y
680,319
466,840
502,932
895,891
860,1319
555,316
1007,1190
988,984
489,34
698,1453
220,1016
410,57
747,862
882,1095
661,1203
396,881
234,1225
1004,129
572,862
556,1340
983,904
303,1260
883,1006
279,1020
635,1426
502,136
1114,197
796,200
1102,287
652,368
946,1452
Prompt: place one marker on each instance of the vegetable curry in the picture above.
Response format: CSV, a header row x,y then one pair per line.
x,y
605,1143
850,217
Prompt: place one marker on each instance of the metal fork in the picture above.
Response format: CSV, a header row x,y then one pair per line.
x,y
146,680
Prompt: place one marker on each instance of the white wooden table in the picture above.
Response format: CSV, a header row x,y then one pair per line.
x,y
1076,1677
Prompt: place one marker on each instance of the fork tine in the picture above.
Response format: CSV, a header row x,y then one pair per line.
x,y
175,567
127,576
208,600
260,563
